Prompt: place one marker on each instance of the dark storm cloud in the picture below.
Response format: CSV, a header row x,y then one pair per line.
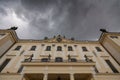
x,y
81,19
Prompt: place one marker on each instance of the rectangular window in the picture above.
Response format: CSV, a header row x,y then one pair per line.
x,y
33,48
111,66
84,49
20,69
4,64
96,70
98,49
70,48
114,37
18,48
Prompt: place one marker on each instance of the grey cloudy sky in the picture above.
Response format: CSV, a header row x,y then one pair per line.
x,y
80,19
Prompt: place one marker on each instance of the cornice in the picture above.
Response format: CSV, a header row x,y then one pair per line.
x,y
55,38
47,41
12,33
104,34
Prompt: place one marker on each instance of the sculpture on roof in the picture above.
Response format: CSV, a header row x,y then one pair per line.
x,y
103,30
13,28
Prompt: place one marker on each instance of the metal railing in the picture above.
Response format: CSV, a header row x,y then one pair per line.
x,y
55,61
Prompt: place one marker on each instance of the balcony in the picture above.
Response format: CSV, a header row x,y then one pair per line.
x,y
57,62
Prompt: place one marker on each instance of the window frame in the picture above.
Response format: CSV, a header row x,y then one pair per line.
x,y
70,48
48,48
84,48
58,59
98,49
111,66
114,37
4,64
73,60
59,48
18,48
33,48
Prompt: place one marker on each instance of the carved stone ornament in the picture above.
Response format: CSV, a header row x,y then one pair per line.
x,y
59,39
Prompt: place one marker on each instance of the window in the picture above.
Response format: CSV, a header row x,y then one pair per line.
x,y
111,66
4,64
98,49
20,69
114,37
73,60
48,48
59,48
58,59
84,49
44,60
18,48
42,44
1,35
70,48
96,70
33,48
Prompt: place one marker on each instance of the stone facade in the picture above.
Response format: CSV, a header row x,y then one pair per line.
x,y
59,58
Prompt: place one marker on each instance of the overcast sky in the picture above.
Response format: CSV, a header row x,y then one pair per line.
x,y
80,19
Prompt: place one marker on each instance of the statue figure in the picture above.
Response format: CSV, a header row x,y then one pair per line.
x,y
13,28
103,30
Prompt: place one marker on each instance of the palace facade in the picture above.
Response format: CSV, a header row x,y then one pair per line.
x,y
59,58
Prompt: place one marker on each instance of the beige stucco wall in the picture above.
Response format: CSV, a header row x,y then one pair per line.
x,y
11,77
97,57
6,42
17,56
106,77
112,47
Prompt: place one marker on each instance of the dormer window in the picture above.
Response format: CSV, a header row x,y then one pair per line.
x,y
48,48
70,48
59,48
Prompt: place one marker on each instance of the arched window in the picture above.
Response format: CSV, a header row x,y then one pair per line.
x,y
48,48
58,59
59,48
44,60
84,49
73,60
70,48
98,49
33,48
